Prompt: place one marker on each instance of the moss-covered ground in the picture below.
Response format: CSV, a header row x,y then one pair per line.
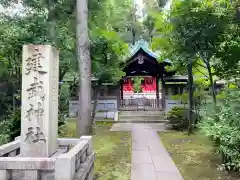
x,y
113,151
194,156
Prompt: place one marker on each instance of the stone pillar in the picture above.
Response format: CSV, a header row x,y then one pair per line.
x,y
31,175
65,167
39,117
5,174
157,91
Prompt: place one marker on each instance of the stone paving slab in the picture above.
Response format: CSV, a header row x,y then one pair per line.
x,y
139,145
164,163
168,176
143,172
122,127
141,157
150,160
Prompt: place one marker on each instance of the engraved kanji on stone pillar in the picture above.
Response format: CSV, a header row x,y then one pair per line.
x,y
39,119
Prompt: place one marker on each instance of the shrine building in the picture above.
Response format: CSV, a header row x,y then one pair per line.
x,y
157,84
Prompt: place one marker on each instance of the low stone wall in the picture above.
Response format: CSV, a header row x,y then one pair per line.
x,y
106,115
149,95
172,103
103,105
77,163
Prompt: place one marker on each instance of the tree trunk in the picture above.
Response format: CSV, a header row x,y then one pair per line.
x,y
83,56
190,97
133,23
212,84
150,36
133,36
52,22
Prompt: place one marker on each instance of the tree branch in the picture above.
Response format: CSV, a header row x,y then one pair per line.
x,y
201,65
201,72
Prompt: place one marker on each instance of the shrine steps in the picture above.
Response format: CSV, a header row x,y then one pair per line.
x,y
141,117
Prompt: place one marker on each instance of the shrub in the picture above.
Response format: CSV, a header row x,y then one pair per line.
x,y
10,126
224,127
177,118
63,107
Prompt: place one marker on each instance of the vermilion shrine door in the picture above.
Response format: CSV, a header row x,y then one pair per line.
x,y
127,86
149,85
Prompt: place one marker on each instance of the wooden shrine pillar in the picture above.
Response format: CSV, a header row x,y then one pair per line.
x,y
163,94
120,99
157,91
121,89
163,88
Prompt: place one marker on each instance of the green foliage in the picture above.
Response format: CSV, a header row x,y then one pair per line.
x,y
232,86
204,34
64,98
10,126
53,22
137,85
221,96
107,49
182,97
228,51
223,126
177,118
198,25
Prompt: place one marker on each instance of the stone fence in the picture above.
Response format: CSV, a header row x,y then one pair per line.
x,y
11,149
173,103
75,164
109,105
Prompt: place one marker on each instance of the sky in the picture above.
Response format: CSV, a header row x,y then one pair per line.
x,y
17,8
140,7
168,5
1,8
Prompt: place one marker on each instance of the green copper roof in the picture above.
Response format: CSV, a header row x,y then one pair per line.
x,y
142,44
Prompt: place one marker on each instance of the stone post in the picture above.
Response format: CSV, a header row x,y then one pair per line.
x,y
64,167
39,117
90,175
5,174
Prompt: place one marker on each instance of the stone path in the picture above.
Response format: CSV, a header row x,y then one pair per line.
x,y
150,160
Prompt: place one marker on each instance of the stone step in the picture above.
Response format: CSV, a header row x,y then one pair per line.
x,y
141,114
160,117
141,121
